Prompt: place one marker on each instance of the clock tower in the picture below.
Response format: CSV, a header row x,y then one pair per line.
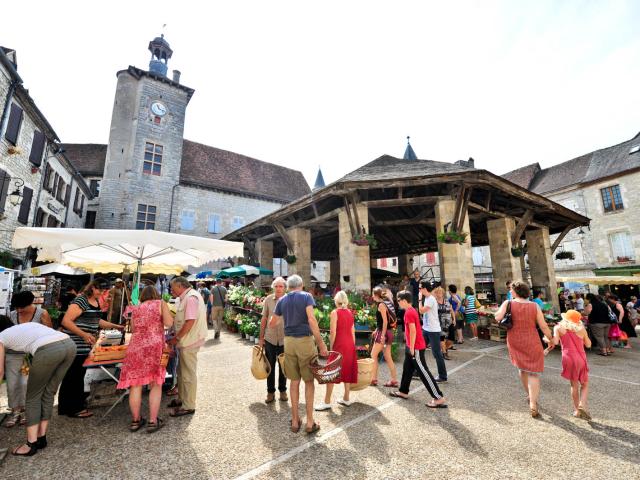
x,y
142,165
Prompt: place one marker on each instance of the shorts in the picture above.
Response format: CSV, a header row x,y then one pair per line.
x,y
299,352
472,318
377,337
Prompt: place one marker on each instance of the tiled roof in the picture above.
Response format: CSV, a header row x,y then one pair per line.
x,y
387,167
88,158
210,167
587,168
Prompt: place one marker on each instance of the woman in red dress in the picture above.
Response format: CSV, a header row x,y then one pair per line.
x,y
142,365
342,338
525,350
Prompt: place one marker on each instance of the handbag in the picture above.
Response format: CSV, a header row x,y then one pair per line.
x,y
260,366
612,316
614,331
507,321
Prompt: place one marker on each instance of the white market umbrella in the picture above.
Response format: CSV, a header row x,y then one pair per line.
x,y
145,251
53,268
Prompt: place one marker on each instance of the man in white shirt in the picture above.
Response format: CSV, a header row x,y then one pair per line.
x,y
579,302
431,331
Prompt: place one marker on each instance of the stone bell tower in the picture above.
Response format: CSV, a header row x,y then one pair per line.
x,y
142,164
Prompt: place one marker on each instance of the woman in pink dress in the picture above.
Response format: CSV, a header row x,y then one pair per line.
x,y
142,365
342,339
572,335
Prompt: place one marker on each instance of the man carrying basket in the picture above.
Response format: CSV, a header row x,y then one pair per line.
x,y
296,310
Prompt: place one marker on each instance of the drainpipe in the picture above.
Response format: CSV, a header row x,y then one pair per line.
x,y
173,191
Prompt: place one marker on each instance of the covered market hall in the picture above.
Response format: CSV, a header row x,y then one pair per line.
x,y
395,207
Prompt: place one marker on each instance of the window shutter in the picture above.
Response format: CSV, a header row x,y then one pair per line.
x,y
59,193
13,126
47,177
40,217
81,206
54,189
75,200
37,147
67,196
25,206
5,179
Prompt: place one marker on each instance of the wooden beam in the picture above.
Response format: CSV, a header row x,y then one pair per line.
x,y
356,217
348,210
456,213
407,221
487,204
251,247
493,213
400,202
463,211
285,237
556,244
320,218
522,224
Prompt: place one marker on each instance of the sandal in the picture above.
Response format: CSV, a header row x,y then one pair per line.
x,y
534,412
583,414
374,383
398,395
137,424
433,404
181,412
392,383
313,429
155,426
33,449
13,420
41,443
296,429
82,414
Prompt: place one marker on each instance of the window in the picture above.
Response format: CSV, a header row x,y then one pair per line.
x,y
621,247
237,222
37,147
47,178
152,158
60,192
214,223
94,186
40,214
187,219
67,196
146,218
13,125
52,222
78,202
90,222
156,120
25,206
634,149
611,198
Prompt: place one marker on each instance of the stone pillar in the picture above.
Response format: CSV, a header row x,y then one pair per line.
x,y
354,259
301,239
505,266
405,264
264,250
543,273
456,261
334,272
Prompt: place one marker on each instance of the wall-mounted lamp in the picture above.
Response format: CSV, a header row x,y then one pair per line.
x,y
581,232
16,196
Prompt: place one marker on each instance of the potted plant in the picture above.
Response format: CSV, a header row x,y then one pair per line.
x,y
452,237
517,251
365,239
14,150
623,259
565,255
290,259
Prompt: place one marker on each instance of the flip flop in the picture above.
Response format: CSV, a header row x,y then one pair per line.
x,y
391,383
436,405
313,429
83,414
397,395
181,412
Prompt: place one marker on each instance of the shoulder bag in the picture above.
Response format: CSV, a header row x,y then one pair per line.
x,y
507,321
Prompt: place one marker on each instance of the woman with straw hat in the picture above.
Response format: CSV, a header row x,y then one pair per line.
x,y
572,335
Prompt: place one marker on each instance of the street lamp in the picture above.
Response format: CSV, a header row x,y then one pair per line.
x,y
16,195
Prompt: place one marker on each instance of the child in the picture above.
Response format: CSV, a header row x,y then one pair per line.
x,y
573,336
414,355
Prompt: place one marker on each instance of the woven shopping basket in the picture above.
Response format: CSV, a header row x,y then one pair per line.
x,y
326,369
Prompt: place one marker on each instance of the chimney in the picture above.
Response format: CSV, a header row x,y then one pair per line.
x,y
176,76
471,162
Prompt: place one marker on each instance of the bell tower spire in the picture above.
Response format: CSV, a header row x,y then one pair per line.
x,y
160,54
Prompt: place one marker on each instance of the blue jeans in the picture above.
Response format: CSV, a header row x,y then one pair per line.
x,y
433,339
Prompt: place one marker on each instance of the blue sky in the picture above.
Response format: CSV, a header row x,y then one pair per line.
x,y
338,84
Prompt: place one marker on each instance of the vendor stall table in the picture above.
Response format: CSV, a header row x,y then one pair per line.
x,y
104,366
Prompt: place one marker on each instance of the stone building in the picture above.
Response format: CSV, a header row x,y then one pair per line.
x,y
38,185
149,177
601,185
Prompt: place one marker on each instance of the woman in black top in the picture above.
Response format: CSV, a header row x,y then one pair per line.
x,y
81,322
599,322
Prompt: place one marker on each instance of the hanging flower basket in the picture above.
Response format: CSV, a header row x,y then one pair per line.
x,y
364,240
14,150
290,259
565,255
452,237
517,251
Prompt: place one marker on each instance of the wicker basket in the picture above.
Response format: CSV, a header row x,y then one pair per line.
x,y
326,369
365,374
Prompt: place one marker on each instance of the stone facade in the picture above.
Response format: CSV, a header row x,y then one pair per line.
x,y
355,266
505,266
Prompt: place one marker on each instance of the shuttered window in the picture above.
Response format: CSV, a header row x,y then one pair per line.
x,y
61,190
188,220
4,189
54,189
52,222
81,205
37,148
25,206
40,214
67,196
13,125
214,223
47,177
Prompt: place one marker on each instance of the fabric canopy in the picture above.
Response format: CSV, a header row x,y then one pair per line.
x,y
116,250
604,280
53,268
243,271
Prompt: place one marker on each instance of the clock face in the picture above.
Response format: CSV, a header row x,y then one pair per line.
x,y
158,109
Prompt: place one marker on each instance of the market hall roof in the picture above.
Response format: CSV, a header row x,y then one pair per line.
x,y
592,167
400,196
211,168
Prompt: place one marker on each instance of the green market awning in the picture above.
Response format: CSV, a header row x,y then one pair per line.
x,y
243,271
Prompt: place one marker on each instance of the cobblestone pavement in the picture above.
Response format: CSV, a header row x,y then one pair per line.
x,y
486,432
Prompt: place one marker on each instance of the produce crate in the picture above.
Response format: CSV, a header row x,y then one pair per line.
x,y
102,354
484,333
497,334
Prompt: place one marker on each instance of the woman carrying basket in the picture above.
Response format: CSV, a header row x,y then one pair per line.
x,y
342,339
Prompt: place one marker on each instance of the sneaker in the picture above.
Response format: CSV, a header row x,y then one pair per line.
x,y
322,406
346,403
474,338
440,380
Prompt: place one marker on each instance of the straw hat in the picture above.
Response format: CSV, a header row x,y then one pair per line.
x,y
572,316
